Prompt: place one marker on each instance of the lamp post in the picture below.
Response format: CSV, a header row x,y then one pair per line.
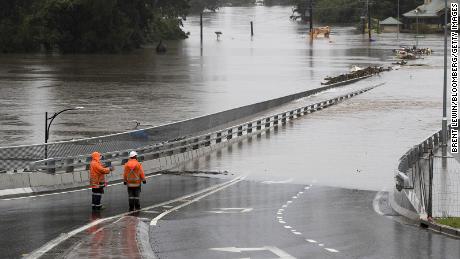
x,y
444,96
48,124
397,35
416,27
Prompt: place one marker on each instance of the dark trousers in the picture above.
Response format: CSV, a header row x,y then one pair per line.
x,y
97,197
133,197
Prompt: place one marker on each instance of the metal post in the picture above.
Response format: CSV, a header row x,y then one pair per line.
x,y
201,28
416,29
369,25
46,135
444,96
252,29
430,186
311,15
397,33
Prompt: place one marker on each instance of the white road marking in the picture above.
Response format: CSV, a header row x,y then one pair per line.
x,y
288,227
151,211
167,206
321,245
282,222
284,206
300,192
275,182
311,241
331,250
297,233
64,192
232,182
231,210
275,250
289,201
279,213
294,197
64,236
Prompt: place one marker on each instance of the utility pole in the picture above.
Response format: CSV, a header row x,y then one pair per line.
x,y
444,96
201,28
397,33
369,26
311,15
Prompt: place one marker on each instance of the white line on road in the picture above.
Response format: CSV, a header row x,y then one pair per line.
x,y
64,236
331,250
311,241
230,183
275,182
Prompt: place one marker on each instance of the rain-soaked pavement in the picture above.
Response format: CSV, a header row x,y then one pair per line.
x,y
355,144
224,217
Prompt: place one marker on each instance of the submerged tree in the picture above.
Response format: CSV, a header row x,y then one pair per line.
x,y
88,25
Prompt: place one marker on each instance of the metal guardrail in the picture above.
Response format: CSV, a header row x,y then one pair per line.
x,y
415,153
18,158
71,163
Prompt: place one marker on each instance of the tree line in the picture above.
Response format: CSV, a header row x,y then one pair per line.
x,y
85,26
112,26
350,11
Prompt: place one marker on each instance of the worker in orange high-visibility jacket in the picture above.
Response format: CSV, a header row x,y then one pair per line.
x,y
133,177
97,174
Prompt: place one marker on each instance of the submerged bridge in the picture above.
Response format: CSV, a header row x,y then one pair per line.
x,y
183,216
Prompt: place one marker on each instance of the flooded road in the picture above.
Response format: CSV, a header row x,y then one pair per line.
x,y
357,142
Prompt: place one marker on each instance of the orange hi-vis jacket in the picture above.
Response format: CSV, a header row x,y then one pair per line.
x,y
97,171
133,174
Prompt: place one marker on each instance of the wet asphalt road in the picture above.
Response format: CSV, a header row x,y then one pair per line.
x,y
27,224
245,221
248,219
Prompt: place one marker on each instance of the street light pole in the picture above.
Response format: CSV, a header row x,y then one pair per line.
x,y
444,96
397,33
369,25
416,27
48,125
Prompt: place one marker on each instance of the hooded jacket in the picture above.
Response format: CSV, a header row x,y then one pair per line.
x,y
97,171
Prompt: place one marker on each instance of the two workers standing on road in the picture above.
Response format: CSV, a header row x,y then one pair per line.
x,y
133,176
97,179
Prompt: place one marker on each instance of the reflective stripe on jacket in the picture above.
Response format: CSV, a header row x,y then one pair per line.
x,y
133,174
97,171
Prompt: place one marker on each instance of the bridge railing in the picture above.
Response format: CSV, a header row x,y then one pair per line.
x,y
169,148
19,158
417,176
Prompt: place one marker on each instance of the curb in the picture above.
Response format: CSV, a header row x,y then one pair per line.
x,y
143,241
443,229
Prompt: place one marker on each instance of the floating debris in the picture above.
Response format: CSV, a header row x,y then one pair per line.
x,y
356,73
401,63
412,53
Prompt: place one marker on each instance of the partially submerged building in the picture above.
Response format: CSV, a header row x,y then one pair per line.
x,y
390,24
429,16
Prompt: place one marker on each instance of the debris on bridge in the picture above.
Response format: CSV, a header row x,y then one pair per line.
x,y
356,73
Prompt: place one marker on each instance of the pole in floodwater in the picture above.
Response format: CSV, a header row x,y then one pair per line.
x,y
369,26
252,29
311,15
201,28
